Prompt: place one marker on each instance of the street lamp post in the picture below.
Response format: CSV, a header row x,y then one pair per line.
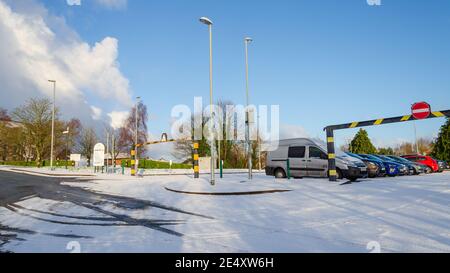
x,y
247,41
136,133
209,23
53,124
415,137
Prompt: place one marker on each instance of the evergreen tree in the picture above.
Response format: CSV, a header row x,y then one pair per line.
x,y
386,151
441,148
361,144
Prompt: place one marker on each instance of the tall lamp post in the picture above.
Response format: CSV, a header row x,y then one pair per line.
x,y
53,124
209,23
247,41
136,132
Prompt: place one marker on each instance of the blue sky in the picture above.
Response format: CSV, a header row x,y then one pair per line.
x,y
323,62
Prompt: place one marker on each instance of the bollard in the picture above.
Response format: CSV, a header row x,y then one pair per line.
x,y
221,168
288,167
133,162
195,160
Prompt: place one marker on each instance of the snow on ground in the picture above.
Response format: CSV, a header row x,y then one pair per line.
x,y
404,214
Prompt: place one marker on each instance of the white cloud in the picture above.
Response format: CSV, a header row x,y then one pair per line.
x,y
96,113
37,46
117,119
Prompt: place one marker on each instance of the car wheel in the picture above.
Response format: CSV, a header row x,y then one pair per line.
x,y
429,170
280,174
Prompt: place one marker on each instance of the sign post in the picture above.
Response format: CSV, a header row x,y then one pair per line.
x,y
419,110
99,155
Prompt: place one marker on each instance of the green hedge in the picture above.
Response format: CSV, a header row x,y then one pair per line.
x,y
143,164
45,163
151,164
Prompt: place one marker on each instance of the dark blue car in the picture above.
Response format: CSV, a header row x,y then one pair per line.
x,y
375,168
402,168
392,168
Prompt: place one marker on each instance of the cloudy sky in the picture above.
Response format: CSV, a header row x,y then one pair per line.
x,y
323,62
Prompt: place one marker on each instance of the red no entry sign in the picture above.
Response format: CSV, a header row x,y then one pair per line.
x,y
421,110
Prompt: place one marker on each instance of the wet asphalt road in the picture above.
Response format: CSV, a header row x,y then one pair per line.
x,y
15,187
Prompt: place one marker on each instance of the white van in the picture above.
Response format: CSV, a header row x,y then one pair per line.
x,y
308,158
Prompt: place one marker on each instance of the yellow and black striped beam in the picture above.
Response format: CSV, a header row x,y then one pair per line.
x,y
155,142
357,124
382,121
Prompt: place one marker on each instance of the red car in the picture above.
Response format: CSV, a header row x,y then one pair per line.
x,y
430,162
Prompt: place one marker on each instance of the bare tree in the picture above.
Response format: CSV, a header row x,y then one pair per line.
x,y
36,117
232,150
184,147
113,137
87,142
126,134
70,140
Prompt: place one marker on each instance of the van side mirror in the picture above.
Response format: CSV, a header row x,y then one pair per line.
x,y
323,156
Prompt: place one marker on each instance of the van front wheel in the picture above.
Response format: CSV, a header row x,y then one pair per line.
x,y
279,174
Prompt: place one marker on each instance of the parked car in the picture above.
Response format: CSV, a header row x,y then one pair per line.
x,y
442,166
308,158
392,168
414,167
403,168
375,168
432,165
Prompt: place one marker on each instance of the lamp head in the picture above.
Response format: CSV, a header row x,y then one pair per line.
x,y
248,40
206,21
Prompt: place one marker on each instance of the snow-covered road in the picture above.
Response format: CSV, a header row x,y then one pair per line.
x,y
404,214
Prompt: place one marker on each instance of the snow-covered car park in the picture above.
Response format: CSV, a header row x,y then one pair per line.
x,y
176,213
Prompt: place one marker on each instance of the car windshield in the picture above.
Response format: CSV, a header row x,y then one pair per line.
x,y
355,155
401,159
395,158
386,158
374,157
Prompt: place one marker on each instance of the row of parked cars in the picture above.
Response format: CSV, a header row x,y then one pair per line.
x,y
390,165
305,157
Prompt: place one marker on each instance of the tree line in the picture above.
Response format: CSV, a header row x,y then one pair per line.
x,y
25,133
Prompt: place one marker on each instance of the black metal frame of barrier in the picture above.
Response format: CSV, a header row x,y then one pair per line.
x,y
330,134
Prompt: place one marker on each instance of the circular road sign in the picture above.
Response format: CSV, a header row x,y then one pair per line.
x,y
421,110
